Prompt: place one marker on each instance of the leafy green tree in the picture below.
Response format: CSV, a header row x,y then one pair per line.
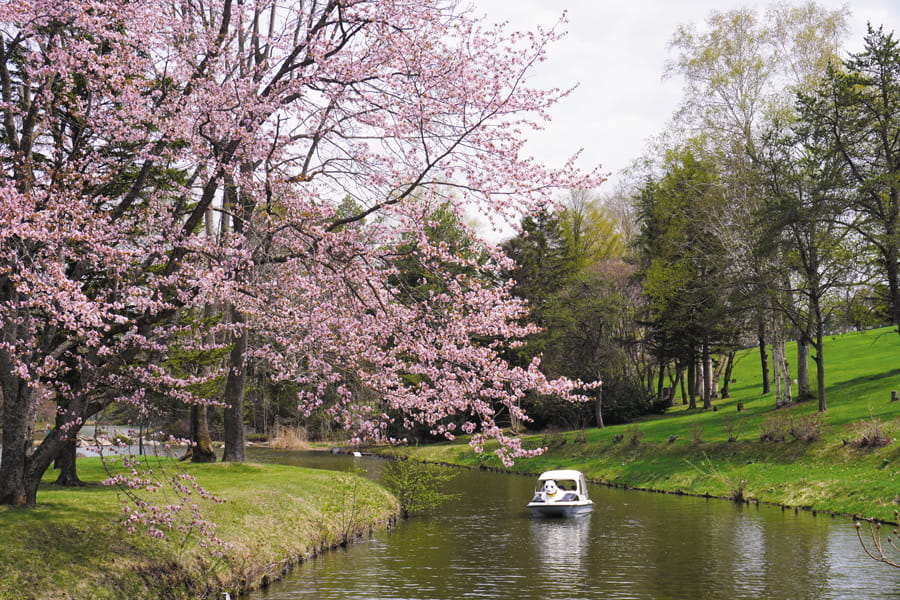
x,y
543,263
570,270
858,109
589,231
683,266
803,216
739,70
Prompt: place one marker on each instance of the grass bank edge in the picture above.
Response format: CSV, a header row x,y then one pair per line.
x,y
688,451
73,545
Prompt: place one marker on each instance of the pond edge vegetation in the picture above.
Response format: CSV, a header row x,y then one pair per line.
x,y
843,462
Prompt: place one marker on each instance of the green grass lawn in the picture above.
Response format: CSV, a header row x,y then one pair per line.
x,y
73,545
830,473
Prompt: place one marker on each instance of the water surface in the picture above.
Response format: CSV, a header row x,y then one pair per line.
x,y
634,545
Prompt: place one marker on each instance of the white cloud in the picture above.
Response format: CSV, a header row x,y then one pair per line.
x,y
616,52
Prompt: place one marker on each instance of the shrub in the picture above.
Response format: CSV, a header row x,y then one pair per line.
x,y
732,426
807,428
871,433
774,428
696,431
291,437
634,434
554,438
418,486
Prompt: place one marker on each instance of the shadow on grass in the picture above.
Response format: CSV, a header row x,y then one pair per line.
x,y
862,380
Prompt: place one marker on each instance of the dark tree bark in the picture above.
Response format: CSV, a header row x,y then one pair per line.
x,y
202,450
763,355
804,392
15,458
234,395
729,368
692,383
706,367
598,407
65,462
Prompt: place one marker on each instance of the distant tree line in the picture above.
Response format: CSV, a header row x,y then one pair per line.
x,y
768,212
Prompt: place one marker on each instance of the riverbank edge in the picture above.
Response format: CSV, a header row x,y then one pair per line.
x,y
272,573
605,465
268,540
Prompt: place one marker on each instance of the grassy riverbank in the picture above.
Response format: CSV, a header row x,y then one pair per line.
x,y
73,547
834,472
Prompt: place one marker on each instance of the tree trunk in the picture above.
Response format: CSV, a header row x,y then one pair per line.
x,y
786,373
729,367
598,407
706,360
17,395
692,383
776,368
893,276
234,394
820,360
65,462
763,356
22,477
804,392
661,380
202,450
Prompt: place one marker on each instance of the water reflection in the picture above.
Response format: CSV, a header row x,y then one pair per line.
x,y
562,543
632,546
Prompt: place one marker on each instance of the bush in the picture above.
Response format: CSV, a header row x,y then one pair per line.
x,y
696,431
774,428
807,428
294,438
554,438
804,428
871,433
417,485
732,425
634,434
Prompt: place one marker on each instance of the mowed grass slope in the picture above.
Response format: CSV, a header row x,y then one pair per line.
x,y
73,545
831,473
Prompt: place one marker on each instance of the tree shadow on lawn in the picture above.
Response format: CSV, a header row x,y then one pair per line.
x,y
865,379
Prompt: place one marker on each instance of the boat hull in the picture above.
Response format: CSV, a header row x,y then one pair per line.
x,y
559,510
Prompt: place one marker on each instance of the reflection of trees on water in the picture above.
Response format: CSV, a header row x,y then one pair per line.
x,y
562,544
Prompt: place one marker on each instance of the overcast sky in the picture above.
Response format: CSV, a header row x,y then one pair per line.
x,y
616,51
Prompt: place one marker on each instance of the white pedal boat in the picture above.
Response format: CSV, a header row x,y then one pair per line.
x,y
561,493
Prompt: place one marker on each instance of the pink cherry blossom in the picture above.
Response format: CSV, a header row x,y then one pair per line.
x,y
159,159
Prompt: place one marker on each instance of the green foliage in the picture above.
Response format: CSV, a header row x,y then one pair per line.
x,y
635,435
419,273
683,261
571,272
418,486
543,264
774,428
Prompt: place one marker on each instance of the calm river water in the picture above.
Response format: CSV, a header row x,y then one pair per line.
x,y
635,545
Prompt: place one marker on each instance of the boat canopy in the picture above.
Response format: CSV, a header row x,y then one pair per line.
x,y
566,479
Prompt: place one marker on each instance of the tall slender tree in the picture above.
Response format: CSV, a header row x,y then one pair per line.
x,y
858,108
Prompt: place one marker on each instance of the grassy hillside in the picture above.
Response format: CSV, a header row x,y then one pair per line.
x,y
689,452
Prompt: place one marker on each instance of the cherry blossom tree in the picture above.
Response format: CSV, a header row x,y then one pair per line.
x,y
129,127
